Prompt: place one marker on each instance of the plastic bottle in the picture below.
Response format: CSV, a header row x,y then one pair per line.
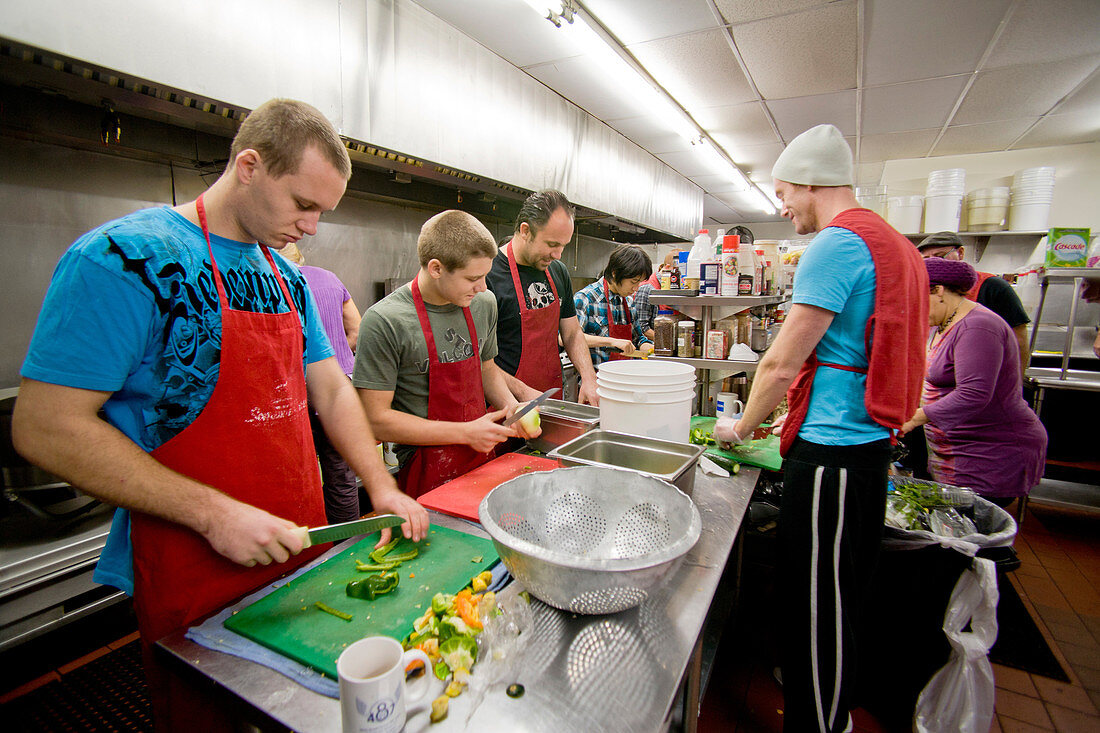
x,y
758,265
727,276
700,252
745,270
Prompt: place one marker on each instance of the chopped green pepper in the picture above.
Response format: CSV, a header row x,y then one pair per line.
x,y
372,586
377,554
365,567
401,557
333,611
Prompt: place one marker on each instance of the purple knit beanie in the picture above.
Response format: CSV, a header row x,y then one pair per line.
x,y
953,274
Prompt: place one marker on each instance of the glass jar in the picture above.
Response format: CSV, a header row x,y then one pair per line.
x,y
664,335
685,339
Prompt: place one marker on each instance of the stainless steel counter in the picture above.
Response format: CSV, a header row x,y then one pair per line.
x,y
592,673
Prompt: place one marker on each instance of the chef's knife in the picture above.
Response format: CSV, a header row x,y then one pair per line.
x,y
333,532
530,406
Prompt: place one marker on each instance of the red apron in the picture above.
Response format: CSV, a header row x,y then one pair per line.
x,y
251,441
972,294
893,339
539,363
798,398
617,330
455,394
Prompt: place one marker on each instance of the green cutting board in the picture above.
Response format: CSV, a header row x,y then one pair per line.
x,y
763,453
287,622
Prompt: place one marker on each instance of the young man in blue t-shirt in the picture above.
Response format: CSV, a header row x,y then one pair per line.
x,y
836,439
200,345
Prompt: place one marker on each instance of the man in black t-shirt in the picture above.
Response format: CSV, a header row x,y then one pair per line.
x,y
528,332
991,291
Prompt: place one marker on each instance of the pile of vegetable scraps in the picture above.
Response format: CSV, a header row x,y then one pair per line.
x,y
447,633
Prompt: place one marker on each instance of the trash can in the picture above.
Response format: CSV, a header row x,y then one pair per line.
x,y
903,642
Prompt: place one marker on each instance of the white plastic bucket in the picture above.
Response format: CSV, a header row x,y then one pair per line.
x,y
904,212
645,395
663,420
671,385
644,369
1028,217
941,213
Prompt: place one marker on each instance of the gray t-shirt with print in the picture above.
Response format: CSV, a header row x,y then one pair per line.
x,y
392,354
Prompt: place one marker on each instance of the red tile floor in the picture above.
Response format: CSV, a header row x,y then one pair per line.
x,y
1059,582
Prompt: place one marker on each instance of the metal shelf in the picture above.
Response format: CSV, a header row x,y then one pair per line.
x,y
1068,274
719,306
728,365
1042,233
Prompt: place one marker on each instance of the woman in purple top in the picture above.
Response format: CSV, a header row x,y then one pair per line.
x,y
340,318
980,432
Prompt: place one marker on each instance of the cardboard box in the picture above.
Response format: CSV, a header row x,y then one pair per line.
x,y
1067,247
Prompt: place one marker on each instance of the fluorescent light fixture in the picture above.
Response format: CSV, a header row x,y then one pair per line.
x,y
546,8
719,165
624,77
761,202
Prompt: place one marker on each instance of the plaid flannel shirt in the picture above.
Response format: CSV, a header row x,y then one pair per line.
x,y
592,314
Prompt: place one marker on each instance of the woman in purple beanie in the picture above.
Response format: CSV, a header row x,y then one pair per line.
x,y
980,432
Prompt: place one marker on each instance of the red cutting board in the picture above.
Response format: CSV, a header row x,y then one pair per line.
x,y
460,497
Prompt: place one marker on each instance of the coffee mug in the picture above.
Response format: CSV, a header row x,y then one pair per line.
x,y
373,691
728,405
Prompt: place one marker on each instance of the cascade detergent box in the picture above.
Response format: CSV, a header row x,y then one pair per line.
x,y
1067,248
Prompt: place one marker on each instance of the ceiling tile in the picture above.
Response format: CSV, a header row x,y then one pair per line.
x,y
983,138
795,116
897,145
806,53
698,70
649,135
741,125
1041,30
755,160
743,11
909,40
638,21
1022,91
511,29
1085,99
917,105
1079,127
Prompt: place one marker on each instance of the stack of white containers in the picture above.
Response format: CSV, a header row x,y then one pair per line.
x,y
650,398
873,198
943,200
986,209
1032,194
903,213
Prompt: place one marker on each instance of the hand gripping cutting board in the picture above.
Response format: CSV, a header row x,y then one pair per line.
x,y
460,497
287,622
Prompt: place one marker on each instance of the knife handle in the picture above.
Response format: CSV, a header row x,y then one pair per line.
x,y
302,533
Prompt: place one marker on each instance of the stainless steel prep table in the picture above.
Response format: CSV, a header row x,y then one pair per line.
x,y
620,672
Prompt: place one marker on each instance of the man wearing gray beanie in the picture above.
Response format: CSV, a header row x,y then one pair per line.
x,y
859,283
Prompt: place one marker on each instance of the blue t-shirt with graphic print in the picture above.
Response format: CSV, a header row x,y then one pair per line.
x,y
837,273
133,310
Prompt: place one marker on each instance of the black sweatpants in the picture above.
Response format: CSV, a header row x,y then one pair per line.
x,y
830,532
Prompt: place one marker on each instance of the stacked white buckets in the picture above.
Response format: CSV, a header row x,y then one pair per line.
x,y
1032,194
904,212
643,397
986,209
943,200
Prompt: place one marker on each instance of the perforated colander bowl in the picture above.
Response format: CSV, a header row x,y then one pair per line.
x,y
590,539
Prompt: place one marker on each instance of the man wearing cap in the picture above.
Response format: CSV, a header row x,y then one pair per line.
x,y
991,291
850,360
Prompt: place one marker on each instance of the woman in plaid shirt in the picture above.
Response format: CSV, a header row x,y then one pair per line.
x,y
626,269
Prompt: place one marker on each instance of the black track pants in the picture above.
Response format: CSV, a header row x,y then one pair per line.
x,y
830,531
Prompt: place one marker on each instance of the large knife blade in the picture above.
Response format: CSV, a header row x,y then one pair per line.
x,y
530,406
343,530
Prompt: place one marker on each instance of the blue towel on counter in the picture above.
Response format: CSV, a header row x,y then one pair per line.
x,y
212,633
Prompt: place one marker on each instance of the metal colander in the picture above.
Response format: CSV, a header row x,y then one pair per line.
x,y
589,539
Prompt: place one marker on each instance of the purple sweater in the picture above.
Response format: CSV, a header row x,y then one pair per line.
x,y
981,434
331,295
